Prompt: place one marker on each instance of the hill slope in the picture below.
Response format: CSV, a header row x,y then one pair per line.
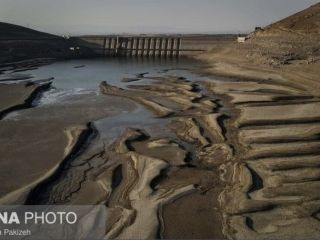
x,y
294,38
302,23
11,31
18,43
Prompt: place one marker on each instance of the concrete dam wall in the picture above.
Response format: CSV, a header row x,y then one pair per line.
x,y
151,45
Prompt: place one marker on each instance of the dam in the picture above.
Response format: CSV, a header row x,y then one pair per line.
x,y
141,46
167,46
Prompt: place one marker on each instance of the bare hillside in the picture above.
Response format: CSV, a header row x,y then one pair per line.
x,y
292,39
18,43
11,31
301,23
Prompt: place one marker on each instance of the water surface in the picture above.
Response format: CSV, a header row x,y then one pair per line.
x,y
89,73
83,77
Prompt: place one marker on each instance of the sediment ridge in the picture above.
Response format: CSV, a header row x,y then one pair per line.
x,y
271,193
20,96
78,138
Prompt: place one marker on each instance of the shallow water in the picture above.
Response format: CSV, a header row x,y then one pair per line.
x,y
112,127
92,72
76,77
84,76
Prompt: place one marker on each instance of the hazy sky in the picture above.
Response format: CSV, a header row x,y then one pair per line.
x,y
148,16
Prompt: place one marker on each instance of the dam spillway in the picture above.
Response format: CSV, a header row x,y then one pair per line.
x,y
135,46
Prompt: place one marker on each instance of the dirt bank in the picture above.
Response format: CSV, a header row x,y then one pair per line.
x,y
254,60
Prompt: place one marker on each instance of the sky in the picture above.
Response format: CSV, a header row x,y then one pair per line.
x,y
76,17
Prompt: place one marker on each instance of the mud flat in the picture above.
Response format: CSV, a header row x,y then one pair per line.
x,y
144,175
140,175
219,162
34,154
258,141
